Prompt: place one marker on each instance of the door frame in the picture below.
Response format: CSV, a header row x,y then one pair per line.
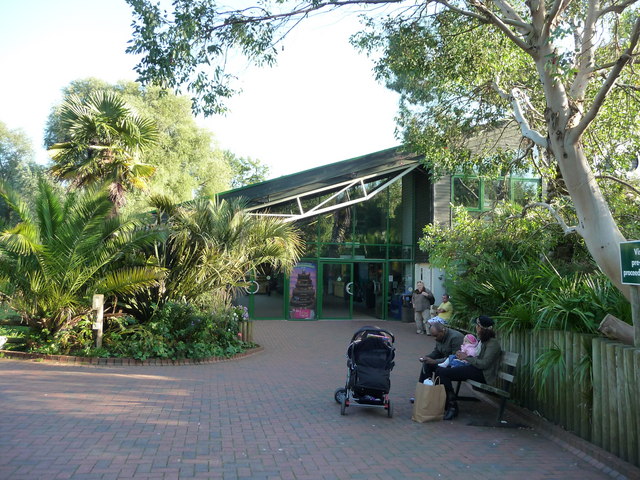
x,y
351,262
320,297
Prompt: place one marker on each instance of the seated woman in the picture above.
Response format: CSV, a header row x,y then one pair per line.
x,y
483,368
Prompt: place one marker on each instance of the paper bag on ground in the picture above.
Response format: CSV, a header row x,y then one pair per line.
x,y
429,402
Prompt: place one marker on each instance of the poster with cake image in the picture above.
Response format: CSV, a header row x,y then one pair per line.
x,y
302,291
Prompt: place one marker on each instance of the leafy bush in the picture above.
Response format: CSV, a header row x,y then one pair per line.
x,y
175,331
520,269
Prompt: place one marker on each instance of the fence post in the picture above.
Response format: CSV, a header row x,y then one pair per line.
x,y
246,329
635,314
98,306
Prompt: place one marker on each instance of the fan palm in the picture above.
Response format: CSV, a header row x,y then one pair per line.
x,y
105,140
213,246
64,251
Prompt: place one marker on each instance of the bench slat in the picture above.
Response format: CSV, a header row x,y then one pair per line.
x,y
508,364
507,377
510,358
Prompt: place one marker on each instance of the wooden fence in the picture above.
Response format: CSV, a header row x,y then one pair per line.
x,y
246,330
593,389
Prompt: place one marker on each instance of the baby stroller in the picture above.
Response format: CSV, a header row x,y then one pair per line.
x,y
369,363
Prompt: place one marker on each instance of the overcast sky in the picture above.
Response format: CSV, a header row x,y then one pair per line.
x,y
319,105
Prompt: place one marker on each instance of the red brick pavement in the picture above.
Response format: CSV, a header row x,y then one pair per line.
x,y
267,416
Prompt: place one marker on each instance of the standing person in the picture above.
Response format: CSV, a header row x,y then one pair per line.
x,y
448,342
483,368
444,310
422,299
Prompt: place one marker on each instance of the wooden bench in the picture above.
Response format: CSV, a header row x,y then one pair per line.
x,y
506,375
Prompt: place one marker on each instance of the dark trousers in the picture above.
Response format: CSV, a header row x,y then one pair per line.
x,y
451,374
427,371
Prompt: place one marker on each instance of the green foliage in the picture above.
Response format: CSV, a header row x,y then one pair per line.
x,y
66,249
76,339
211,248
518,267
188,47
186,161
17,166
105,138
509,235
545,364
175,331
246,171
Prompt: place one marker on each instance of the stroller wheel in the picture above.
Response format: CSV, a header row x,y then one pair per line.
x,y
340,394
389,409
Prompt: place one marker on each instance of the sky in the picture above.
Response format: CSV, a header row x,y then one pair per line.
x,y
319,105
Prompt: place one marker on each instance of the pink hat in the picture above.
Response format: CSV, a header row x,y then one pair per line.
x,y
471,339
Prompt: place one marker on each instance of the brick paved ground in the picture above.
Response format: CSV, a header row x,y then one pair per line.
x,y
267,416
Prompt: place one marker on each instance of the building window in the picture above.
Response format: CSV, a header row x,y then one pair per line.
x,y
480,194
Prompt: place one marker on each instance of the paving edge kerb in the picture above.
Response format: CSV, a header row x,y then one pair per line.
x,y
123,362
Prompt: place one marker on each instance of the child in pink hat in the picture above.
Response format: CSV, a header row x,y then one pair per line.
x,y
469,346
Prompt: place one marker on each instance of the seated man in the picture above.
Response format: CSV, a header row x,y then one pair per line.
x,y
448,342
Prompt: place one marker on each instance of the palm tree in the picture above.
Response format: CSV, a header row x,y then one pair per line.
x,y
212,247
64,251
105,140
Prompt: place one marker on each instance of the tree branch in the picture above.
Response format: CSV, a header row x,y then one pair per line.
x,y
466,13
600,97
619,8
586,55
557,8
512,17
621,182
565,228
498,22
516,98
236,17
606,66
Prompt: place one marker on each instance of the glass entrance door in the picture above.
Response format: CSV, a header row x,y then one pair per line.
x,y
337,290
368,295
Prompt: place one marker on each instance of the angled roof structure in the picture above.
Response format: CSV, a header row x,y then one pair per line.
x,y
338,177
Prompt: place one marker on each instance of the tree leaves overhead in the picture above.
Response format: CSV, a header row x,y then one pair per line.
x,y
188,47
444,66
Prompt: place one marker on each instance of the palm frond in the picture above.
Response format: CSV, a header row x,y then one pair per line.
x,y
21,239
545,364
129,280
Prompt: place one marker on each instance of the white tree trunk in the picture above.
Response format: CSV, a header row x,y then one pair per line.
x,y
595,222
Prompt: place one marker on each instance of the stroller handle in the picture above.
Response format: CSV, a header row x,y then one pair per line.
x,y
374,331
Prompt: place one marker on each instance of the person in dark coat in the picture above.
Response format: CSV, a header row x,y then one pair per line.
x,y
483,368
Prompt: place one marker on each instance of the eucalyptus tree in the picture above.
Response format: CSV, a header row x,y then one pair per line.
x,y
105,138
66,248
560,70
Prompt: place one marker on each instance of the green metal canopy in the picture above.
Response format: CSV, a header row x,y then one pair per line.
x,y
338,177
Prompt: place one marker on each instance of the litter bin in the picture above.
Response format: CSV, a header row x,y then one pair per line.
x,y
407,309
